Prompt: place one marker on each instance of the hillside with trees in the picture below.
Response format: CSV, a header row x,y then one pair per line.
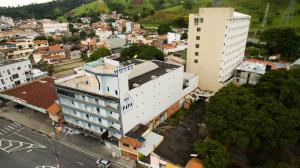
x,y
50,10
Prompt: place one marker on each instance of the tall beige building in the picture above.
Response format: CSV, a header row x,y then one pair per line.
x,y
216,45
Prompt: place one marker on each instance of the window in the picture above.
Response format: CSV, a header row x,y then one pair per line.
x,y
98,109
96,100
2,81
87,116
110,112
198,29
89,125
19,68
196,53
65,93
17,83
15,76
197,37
197,45
108,89
99,120
116,92
83,97
195,61
8,72
201,20
196,21
124,144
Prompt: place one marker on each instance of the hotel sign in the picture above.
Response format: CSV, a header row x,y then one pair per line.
x,y
127,103
123,69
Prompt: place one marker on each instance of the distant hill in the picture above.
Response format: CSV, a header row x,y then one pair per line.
x,y
129,7
256,8
49,10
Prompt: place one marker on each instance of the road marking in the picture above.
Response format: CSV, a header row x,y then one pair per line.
x,y
45,167
13,146
29,150
14,125
17,124
4,131
10,127
7,129
1,133
80,163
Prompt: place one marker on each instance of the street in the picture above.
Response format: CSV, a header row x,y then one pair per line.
x,y
21,147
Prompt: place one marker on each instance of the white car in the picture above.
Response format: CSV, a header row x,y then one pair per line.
x,y
103,163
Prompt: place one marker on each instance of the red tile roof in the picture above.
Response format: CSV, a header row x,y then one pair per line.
x,y
40,93
54,109
55,48
40,42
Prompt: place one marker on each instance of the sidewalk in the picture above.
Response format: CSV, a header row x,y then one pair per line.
x,y
41,123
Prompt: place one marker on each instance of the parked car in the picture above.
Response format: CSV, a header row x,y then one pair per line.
x,y
103,163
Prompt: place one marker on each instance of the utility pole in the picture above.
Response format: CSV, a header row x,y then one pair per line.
x,y
265,20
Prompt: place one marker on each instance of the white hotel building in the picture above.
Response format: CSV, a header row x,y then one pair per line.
x,y
216,44
116,97
14,72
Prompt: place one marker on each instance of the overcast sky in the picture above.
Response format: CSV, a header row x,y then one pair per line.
x,y
6,3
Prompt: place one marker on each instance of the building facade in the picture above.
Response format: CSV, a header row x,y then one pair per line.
x,y
113,98
216,45
14,73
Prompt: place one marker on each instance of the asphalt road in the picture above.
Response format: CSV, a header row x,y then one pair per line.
x,y
21,147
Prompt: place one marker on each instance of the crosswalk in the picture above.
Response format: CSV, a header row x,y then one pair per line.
x,y
9,128
10,146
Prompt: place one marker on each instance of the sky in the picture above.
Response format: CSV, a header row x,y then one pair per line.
x,y
6,3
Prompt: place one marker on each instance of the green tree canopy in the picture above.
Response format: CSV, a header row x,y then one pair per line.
x,y
265,116
100,52
212,153
163,29
282,41
142,52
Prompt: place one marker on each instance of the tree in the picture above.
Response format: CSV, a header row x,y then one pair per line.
x,y
212,154
232,118
184,36
142,52
265,116
163,29
100,52
72,29
284,41
82,35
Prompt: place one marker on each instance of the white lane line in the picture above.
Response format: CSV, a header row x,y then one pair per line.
x,y
17,123
10,127
7,129
80,163
1,133
4,131
14,125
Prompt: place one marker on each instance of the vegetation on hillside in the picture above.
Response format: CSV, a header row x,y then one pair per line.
x,y
50,10
256,8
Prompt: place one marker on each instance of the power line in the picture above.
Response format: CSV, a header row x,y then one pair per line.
x,y
265,19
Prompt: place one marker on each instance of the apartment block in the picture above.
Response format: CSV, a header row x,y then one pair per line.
x,y
217,39
14,72
112,97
